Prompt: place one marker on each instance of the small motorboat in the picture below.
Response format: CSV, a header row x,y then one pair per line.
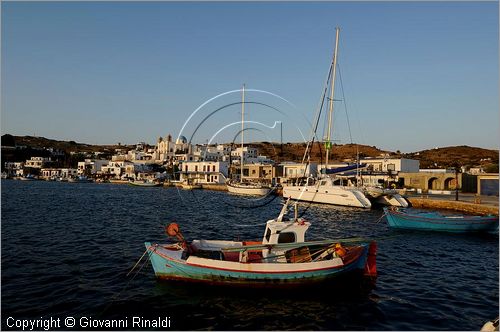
x,y
435,221
144,183
29,177
80,179
189,184
282,258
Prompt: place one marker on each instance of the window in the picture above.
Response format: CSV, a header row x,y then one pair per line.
x,y
213,168
287,237
268,234
253,171
391,167
196,168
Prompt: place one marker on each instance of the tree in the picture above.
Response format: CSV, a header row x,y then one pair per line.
x,y
491,168
8,140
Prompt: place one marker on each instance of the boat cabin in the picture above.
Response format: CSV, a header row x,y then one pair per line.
x,y
278,231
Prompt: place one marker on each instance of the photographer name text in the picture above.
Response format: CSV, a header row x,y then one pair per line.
x,y
51,323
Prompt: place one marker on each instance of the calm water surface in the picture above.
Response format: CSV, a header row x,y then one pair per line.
x,y
67,247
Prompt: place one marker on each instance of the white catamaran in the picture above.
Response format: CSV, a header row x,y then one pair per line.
x,y
326,189
241,187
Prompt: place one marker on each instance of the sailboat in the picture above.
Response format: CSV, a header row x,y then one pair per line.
x,y
241,187
327,189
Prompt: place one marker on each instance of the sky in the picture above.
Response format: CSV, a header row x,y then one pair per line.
x,y
413,75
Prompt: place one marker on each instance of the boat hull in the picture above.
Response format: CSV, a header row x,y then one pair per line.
x,y
144,184
190,186
169,265
391,200
248,190
435,222
330,195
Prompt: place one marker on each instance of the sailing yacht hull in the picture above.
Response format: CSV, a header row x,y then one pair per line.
x,y
387,197
391,200
328,195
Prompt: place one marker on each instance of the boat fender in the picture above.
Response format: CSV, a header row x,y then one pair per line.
x,y
339,250
173,230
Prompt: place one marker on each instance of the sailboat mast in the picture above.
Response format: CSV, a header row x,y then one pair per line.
x,y
332,91
242,129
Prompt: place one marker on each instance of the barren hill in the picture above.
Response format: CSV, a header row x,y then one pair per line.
x,y
433,158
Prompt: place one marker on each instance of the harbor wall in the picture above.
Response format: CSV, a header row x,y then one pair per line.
x,y
474,208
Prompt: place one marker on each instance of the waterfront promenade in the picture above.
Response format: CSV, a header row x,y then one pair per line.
x,y
470,203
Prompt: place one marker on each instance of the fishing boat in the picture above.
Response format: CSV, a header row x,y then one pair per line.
x,y
434,221
241,187
327,188
282,258
80,179
190,185
144,183
29,177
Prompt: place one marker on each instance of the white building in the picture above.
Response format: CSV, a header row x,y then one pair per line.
x,y
214,172
37,162
67,173
248,153
117,168
298,170
394,165
64,173
14,168
90,166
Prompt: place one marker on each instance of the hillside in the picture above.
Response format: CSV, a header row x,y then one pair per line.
x,y
295,151
36,142
451,155
433,158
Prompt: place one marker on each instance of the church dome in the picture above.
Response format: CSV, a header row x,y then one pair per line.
x,y
181,140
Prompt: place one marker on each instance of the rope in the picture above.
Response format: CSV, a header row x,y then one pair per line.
x,y
380,218
137,262
117,295
345,103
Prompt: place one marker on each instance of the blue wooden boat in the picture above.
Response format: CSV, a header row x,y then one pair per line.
x,y
282,258
434,221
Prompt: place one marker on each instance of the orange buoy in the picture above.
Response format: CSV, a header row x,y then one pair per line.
x,y
172,229
339,250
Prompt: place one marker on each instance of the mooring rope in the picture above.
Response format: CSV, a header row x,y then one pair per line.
x,y
117,295
145,252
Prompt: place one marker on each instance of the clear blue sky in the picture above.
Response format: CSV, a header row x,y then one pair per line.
x,y
416,75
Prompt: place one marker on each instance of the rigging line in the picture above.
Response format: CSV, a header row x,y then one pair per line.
x,y
248,225
318,113
345,103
